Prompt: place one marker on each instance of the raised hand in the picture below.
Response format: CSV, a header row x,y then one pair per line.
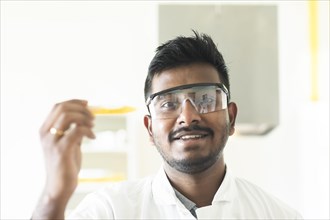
x,y
61,136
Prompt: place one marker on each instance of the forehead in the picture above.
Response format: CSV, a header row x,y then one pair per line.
x,y
189,74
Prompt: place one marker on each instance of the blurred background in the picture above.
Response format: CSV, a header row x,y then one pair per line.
x,y
278,58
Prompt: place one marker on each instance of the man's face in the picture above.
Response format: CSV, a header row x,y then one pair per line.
x,y
191,142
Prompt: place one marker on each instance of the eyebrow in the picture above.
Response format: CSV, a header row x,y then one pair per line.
x,y
187,86
184,87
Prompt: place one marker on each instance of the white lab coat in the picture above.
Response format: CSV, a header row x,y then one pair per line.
x,y
154,198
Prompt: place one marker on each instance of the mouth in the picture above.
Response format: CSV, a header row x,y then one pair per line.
x,y
186,137
192,133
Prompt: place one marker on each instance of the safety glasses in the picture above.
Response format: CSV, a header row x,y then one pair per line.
x,y
204,97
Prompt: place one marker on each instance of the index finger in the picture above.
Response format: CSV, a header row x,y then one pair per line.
x,y
74,105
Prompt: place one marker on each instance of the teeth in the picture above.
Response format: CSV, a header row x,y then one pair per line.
x,y
186,137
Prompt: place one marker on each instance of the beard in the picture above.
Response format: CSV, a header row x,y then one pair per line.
x,y
193,166
198,164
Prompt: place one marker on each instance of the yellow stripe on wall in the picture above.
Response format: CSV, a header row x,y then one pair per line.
x,y
313,30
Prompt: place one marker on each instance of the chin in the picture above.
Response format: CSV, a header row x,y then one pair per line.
x,y
193,166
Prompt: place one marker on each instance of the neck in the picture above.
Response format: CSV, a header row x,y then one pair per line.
x,y
200,188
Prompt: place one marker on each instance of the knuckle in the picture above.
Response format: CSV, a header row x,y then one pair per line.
x,y
66,117
56,106
61,107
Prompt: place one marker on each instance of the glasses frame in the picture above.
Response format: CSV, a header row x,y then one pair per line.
x,y
188,86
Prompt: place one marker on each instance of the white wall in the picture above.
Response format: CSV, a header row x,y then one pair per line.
x,y
55,50
293,161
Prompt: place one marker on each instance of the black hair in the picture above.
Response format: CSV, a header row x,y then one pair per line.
x,y
183,51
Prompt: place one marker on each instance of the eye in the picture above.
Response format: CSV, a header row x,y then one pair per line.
x,y
210,100
169,105
207,99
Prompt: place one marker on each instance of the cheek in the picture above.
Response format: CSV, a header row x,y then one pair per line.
x,y
219,123
161,129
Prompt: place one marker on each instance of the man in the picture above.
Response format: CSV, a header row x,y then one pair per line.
x,y
187,94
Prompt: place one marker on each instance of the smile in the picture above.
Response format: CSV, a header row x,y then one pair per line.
x,y
192,133
192,136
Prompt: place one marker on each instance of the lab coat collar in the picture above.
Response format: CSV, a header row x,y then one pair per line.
x,y
164,193
162,189
227,190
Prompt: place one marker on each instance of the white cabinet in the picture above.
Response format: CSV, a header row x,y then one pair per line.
x,y
110,157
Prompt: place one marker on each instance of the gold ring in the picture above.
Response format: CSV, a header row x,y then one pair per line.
x,y
56,131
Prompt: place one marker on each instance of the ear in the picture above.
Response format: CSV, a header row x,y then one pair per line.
x,y
232,112
148,125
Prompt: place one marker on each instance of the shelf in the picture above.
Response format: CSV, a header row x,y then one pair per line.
x,y
110,157
111,122
104,147
98,176
104,150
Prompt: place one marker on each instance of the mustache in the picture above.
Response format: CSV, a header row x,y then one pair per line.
x,y
190,128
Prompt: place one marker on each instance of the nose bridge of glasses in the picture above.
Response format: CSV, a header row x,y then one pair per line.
x,y
188,100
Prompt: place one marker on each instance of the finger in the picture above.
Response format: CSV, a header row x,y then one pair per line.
x,y
67,122
71,139
74,105
67,119
55,112
74,136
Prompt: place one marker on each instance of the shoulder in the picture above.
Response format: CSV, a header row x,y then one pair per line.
x,y
259,199
112,199
126,190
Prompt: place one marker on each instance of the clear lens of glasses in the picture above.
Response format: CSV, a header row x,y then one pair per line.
x,y
205,99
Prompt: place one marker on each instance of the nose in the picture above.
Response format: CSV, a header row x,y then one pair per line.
x,y
189,114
